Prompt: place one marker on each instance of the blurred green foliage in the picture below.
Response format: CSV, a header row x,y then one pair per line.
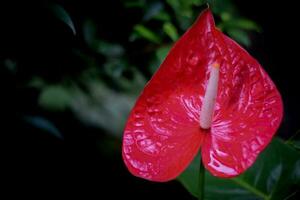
x,y
60,13
112,67
120,72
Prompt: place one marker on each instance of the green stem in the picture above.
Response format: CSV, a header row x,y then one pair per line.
x,y
201,181
292,137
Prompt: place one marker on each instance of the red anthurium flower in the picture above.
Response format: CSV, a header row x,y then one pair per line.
x,y
208,93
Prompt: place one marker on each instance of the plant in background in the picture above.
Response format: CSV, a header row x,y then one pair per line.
x,y
113,69
84,66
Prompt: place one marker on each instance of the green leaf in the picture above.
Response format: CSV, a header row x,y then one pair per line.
x,y
294,140
43,124
225,16
55,98
220,6
63,15
244,24
171,31
115,68
240,36
184,12
162,52
175,4
274,175
160,55
162,16
146,33
198,2
103,107
296,144
152,10
111,50
36,82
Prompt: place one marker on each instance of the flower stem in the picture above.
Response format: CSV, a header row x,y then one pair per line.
x,y
201,181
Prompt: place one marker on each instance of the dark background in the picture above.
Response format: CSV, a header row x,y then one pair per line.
x,y
42,165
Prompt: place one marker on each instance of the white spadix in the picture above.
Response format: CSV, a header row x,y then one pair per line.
x,y
208,104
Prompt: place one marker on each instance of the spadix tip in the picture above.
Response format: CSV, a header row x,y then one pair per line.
x,y
216,65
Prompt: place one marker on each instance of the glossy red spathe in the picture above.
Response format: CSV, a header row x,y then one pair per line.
x,y
163,135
